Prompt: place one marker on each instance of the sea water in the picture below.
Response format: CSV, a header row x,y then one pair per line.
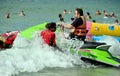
x,y
31,58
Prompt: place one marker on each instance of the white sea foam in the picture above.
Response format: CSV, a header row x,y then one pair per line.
x,y
32,56
24,56
115,45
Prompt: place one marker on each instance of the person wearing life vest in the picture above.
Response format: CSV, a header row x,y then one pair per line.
x,y
48,35
78,26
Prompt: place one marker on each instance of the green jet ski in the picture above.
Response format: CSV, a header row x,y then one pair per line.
x,y
97,53
94,52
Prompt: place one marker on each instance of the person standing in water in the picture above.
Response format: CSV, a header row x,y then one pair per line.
x,y
61,18
22,13
116,22
78,25
98,12
88,15
7,15
48,35
64,11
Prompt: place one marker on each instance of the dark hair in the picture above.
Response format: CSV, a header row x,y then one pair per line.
x,y
80,11
60,15
47,25
61,18
94,21
88,13
72,19
51,25
116,20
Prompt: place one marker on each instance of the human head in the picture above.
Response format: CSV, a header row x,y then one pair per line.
x,y
94,21
88,13
78,12
72,19
60,15
65,11
61,18
51,26
116,21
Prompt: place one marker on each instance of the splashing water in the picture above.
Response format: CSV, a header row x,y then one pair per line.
x,y
115,45
32,56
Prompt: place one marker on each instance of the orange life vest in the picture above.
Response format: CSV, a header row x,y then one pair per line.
x,y
80,30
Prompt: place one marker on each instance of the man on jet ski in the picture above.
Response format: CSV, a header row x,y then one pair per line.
x,y
78,26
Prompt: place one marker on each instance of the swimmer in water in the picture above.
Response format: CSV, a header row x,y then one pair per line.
x,y
22,13
7,15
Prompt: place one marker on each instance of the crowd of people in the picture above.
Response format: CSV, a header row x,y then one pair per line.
x,y
108,15
97,13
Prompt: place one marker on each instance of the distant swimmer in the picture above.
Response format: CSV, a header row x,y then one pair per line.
x,y
64,11
72,19
22,13
70,11
7,15
94,21
116,22
88,16
113,15
104,12
106,15
98,12
61,18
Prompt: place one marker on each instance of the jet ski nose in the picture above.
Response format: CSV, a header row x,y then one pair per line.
x,y
119,66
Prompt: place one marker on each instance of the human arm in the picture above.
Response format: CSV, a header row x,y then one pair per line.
x,y
77,22
53,40
68,26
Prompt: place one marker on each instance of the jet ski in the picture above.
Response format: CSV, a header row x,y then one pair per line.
x,y
93,52
96,53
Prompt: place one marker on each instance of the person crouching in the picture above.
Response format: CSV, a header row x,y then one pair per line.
x,y
48,34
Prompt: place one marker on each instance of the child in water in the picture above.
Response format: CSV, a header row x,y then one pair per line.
x,y
48,35
7,15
